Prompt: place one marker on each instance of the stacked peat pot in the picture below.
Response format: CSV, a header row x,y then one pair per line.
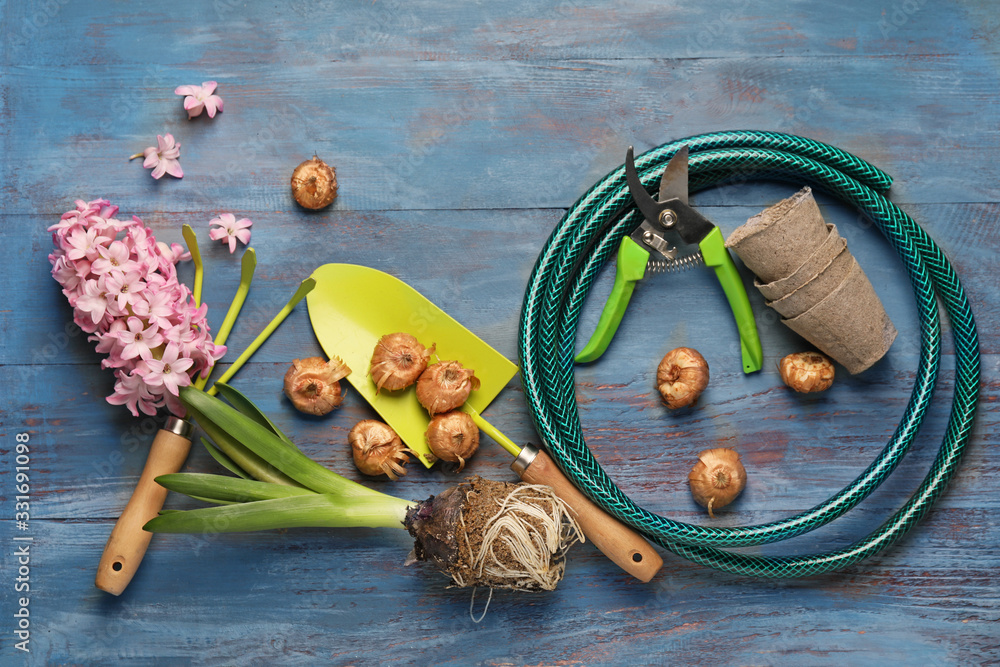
x,y
806,272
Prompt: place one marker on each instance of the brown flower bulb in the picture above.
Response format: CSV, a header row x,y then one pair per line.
x,y
314,184
398,361
681,377
807,371
445,386
377,449
717,478
453,436
313,384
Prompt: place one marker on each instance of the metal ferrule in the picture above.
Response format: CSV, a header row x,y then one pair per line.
x,y
178,426
524,459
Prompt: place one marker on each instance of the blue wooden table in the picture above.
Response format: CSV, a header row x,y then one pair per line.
x,y
460,134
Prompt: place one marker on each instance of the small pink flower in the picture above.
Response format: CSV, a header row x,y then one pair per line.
x,y
157,309
103,208
174,252
64,272
199,98
108,341
169,370
114,350
123,286
179,335
86,213
113,225
131,391
115,256
229,229
92,301
83,244
164,157
68,222
138,340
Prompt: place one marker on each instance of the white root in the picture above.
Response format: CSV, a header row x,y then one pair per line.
x,y
472,606
531,546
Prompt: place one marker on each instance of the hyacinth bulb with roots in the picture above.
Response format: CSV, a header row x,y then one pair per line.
x,y
495,534
479,533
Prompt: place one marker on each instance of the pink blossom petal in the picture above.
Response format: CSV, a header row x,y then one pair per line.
x,y
174,169
208,87
180,254
126,400
185,90
181,365
170,383
243,235
174,405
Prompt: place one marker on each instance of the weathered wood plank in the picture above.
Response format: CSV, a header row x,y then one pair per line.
x,y
303,597
481,134
320,30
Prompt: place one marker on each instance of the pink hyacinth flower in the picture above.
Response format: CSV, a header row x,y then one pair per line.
x,y
131,391
92,301
114,256
229,229
164,158
138,339
157,309
82,244
124,287
168,371
174,252
198,98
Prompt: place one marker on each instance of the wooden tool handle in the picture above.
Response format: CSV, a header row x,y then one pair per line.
x,y
621,544
128,541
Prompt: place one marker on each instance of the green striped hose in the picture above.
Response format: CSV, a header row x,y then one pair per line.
x,y
589,234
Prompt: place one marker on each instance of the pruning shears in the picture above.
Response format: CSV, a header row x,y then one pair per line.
x,y
680,237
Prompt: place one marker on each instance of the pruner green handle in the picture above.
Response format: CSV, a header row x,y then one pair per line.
x,y
713,249
631,267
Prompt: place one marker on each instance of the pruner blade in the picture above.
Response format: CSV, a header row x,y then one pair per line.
x,y
649,207
673,185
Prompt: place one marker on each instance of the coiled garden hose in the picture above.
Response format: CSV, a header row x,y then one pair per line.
x,y
589,233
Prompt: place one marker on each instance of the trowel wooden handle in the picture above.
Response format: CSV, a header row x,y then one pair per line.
x,y
621,544
127,544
